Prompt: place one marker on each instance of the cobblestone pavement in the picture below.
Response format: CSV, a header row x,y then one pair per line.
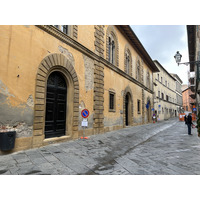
x,y
163,148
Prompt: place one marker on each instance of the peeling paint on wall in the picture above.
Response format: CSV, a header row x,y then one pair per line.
x,y
137,120
30,101
16,114
12,115
113,121
89,73
4,89
67,54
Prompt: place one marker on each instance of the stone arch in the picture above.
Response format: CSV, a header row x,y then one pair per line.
x,y
51,63
127,51
128,92
112,32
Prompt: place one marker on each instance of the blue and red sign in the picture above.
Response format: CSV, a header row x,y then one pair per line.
x,y
85,113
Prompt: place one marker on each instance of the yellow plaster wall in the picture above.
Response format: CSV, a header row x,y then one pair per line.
x,y
22,48
116,82
86,36
122,42
21,53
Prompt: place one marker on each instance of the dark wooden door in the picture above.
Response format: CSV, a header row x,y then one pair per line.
x,y
126,108
55,121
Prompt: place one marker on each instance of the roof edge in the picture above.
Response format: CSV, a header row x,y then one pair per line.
x,y
138,45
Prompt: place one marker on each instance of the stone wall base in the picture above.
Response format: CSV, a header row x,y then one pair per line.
x,y
26,143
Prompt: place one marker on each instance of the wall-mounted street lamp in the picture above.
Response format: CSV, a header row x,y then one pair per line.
x,y
178,60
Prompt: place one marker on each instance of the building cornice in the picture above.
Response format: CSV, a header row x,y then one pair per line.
x,y
76,45
177,78
191,30
155,61
135,42
160,99
165,86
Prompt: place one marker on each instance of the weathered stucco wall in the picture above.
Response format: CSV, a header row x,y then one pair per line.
x,y
23,48
19,117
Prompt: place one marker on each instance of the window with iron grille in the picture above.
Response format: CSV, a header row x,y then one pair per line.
x,y
138,106
111,101
64,29
111,50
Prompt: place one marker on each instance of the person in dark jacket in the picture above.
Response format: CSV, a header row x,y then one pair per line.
x,y
185,119
189,123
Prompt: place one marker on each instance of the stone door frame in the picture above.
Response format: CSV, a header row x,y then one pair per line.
x,y
128,92
51,63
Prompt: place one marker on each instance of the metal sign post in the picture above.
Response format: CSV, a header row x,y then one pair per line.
x,y
84,114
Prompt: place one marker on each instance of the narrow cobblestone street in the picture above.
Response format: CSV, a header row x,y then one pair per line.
x,y
163,148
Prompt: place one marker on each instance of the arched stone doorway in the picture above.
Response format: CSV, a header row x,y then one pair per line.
x,y
55,64
56,100
128,107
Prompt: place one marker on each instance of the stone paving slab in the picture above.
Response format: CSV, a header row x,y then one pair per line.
x,y
162,148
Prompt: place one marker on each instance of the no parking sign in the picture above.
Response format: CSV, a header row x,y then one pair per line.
x,y
85,113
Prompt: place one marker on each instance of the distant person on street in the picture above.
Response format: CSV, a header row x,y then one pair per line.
x,y
189,123
185,119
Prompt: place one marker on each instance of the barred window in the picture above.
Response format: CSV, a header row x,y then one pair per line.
x,y
111,50
111,101
138,106
64,29
127,63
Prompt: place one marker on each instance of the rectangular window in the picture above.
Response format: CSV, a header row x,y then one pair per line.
x,y
158,94
138,106
161,79
111,101
158,77
64,29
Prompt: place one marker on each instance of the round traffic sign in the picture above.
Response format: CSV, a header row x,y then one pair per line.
x,y
85,113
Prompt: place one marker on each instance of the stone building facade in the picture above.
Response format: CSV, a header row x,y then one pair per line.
x,y
50,73
188,101
179,99
165,101
193,32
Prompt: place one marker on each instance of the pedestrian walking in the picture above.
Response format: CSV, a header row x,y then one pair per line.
x,y
189,123
154,118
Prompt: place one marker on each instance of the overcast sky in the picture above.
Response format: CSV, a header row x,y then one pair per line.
x,y
162,42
